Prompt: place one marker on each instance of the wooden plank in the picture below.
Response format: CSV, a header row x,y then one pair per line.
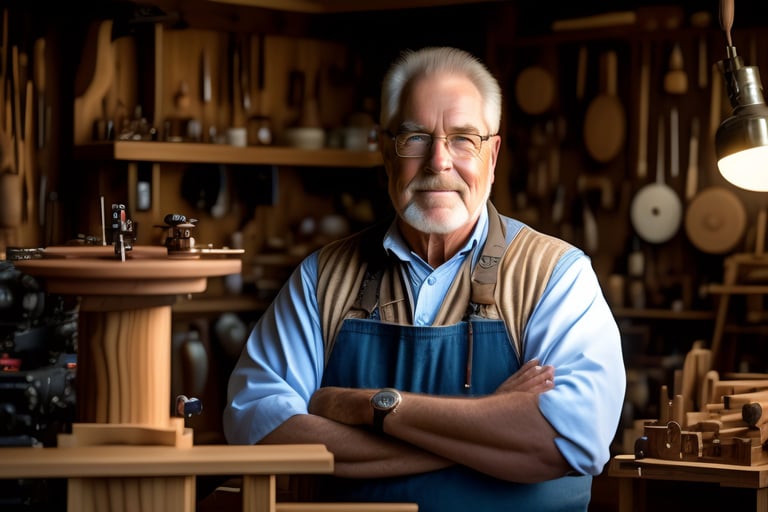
x,y
728,475
346,507
128,461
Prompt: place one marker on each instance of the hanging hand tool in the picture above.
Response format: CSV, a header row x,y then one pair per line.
x,y
39,78
29,157
245,73
4,70
656,209
605,118
675,80
643,109
233,74
205,76
42,126
674,143
692,175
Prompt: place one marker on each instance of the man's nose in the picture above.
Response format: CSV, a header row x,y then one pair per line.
x,y
440,158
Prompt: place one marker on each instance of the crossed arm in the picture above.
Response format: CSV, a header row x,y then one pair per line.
x,y
503,434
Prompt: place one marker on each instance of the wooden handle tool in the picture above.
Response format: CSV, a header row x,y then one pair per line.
x,y
674,143
39,77
29,150
4,65
17,127
692,174
643,108
675,80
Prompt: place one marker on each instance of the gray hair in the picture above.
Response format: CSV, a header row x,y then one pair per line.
x,y
430,60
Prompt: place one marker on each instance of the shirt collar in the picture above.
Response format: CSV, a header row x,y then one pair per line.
x,y
394,242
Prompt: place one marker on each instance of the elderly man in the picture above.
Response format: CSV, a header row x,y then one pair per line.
x,y
452,357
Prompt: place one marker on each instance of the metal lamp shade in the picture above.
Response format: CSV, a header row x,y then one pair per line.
x,y
741,141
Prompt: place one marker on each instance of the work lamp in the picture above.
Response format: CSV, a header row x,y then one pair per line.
x,y
741,140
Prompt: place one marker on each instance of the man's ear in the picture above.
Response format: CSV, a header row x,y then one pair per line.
x,y
495,148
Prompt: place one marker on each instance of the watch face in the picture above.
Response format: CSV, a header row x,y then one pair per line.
x,y
386,399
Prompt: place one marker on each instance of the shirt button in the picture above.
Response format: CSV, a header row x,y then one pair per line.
x,y
431,280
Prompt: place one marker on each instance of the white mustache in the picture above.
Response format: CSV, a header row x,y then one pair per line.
x,y
436,183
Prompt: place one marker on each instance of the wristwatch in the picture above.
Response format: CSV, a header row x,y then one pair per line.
x,y
384,402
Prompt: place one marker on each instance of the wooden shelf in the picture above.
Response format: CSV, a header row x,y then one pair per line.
x,y
755,329
339,6
136,461
222,304
662,314
196,152
737,289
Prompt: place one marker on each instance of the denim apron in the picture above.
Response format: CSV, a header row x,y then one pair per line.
x,y
470,358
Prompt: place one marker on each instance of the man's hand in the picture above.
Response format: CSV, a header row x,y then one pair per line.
x,y
531,378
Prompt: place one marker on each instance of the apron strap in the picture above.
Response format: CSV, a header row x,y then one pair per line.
x,y
486,271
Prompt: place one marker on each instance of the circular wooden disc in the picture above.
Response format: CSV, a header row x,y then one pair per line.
x,y
604,128
535,90
715,220
656,212
98,275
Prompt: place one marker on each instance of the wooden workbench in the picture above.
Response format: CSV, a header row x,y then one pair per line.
x,y
633,473
132,478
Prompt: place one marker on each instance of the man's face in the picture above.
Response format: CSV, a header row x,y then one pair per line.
x,y
442,191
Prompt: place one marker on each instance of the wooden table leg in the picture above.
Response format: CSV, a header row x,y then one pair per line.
x,y
259,493
761,498
626,501
632,495
150,494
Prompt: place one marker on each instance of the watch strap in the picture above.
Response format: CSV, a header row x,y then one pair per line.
x,y
378,420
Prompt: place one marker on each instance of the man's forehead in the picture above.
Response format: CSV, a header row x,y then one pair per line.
x,y
447,98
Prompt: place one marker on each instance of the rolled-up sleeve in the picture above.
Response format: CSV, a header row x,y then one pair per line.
x,y
271,382
573,329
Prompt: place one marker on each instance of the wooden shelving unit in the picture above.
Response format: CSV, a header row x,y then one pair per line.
x,y
195,152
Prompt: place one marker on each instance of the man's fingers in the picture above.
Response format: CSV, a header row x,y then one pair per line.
x,y
531,377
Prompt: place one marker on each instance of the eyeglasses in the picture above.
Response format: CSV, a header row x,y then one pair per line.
x,y
417,145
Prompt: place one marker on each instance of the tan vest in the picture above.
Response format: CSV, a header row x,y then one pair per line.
x,y
510,294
